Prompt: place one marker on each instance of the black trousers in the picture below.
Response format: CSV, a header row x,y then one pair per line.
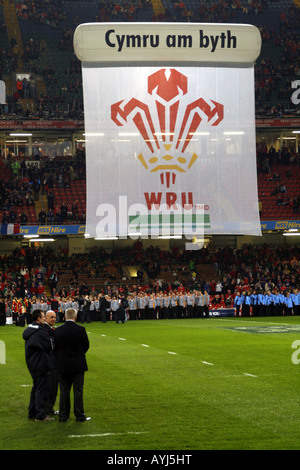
x,y
53,387
200,310
39,396
132,314
103,315
85,316
151,313
65,384
246,310
190,311
173,312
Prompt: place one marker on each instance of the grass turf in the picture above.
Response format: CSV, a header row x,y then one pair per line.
x,y
214,384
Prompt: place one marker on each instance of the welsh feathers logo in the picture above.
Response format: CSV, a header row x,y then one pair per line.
x,y
167,155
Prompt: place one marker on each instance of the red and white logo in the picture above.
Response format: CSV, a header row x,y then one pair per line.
x,y
167,154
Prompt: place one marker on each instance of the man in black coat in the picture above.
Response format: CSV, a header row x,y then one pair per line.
x,y
85,314
72,343
102,306
40,361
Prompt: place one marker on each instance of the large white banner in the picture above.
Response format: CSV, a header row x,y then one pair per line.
x,y
170,149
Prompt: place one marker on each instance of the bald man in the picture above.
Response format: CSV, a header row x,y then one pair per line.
x,y
50,319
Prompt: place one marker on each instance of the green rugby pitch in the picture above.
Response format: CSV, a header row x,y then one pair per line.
x,y
213,384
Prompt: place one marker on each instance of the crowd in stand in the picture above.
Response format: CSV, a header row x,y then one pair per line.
x,y
122,11
270,87
37,176
223,11
32,49
45,12
269,161
269,157
257,281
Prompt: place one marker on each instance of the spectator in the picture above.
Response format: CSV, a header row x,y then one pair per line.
x,y
42,217
23,218
39,359
36,189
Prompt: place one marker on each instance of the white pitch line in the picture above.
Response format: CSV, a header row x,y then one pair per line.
x,y
232,375
240,375
108,434
144,345
208,363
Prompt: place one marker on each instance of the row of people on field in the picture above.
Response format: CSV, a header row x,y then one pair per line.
x,y
106,307
267,303
144,306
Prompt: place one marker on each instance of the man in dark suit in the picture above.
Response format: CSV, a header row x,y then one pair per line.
x,y
50,319
39,358
72,343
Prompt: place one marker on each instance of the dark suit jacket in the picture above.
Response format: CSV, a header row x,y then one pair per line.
x,y
71,345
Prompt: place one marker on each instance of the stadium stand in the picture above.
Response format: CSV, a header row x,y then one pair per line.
x,y
44,45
